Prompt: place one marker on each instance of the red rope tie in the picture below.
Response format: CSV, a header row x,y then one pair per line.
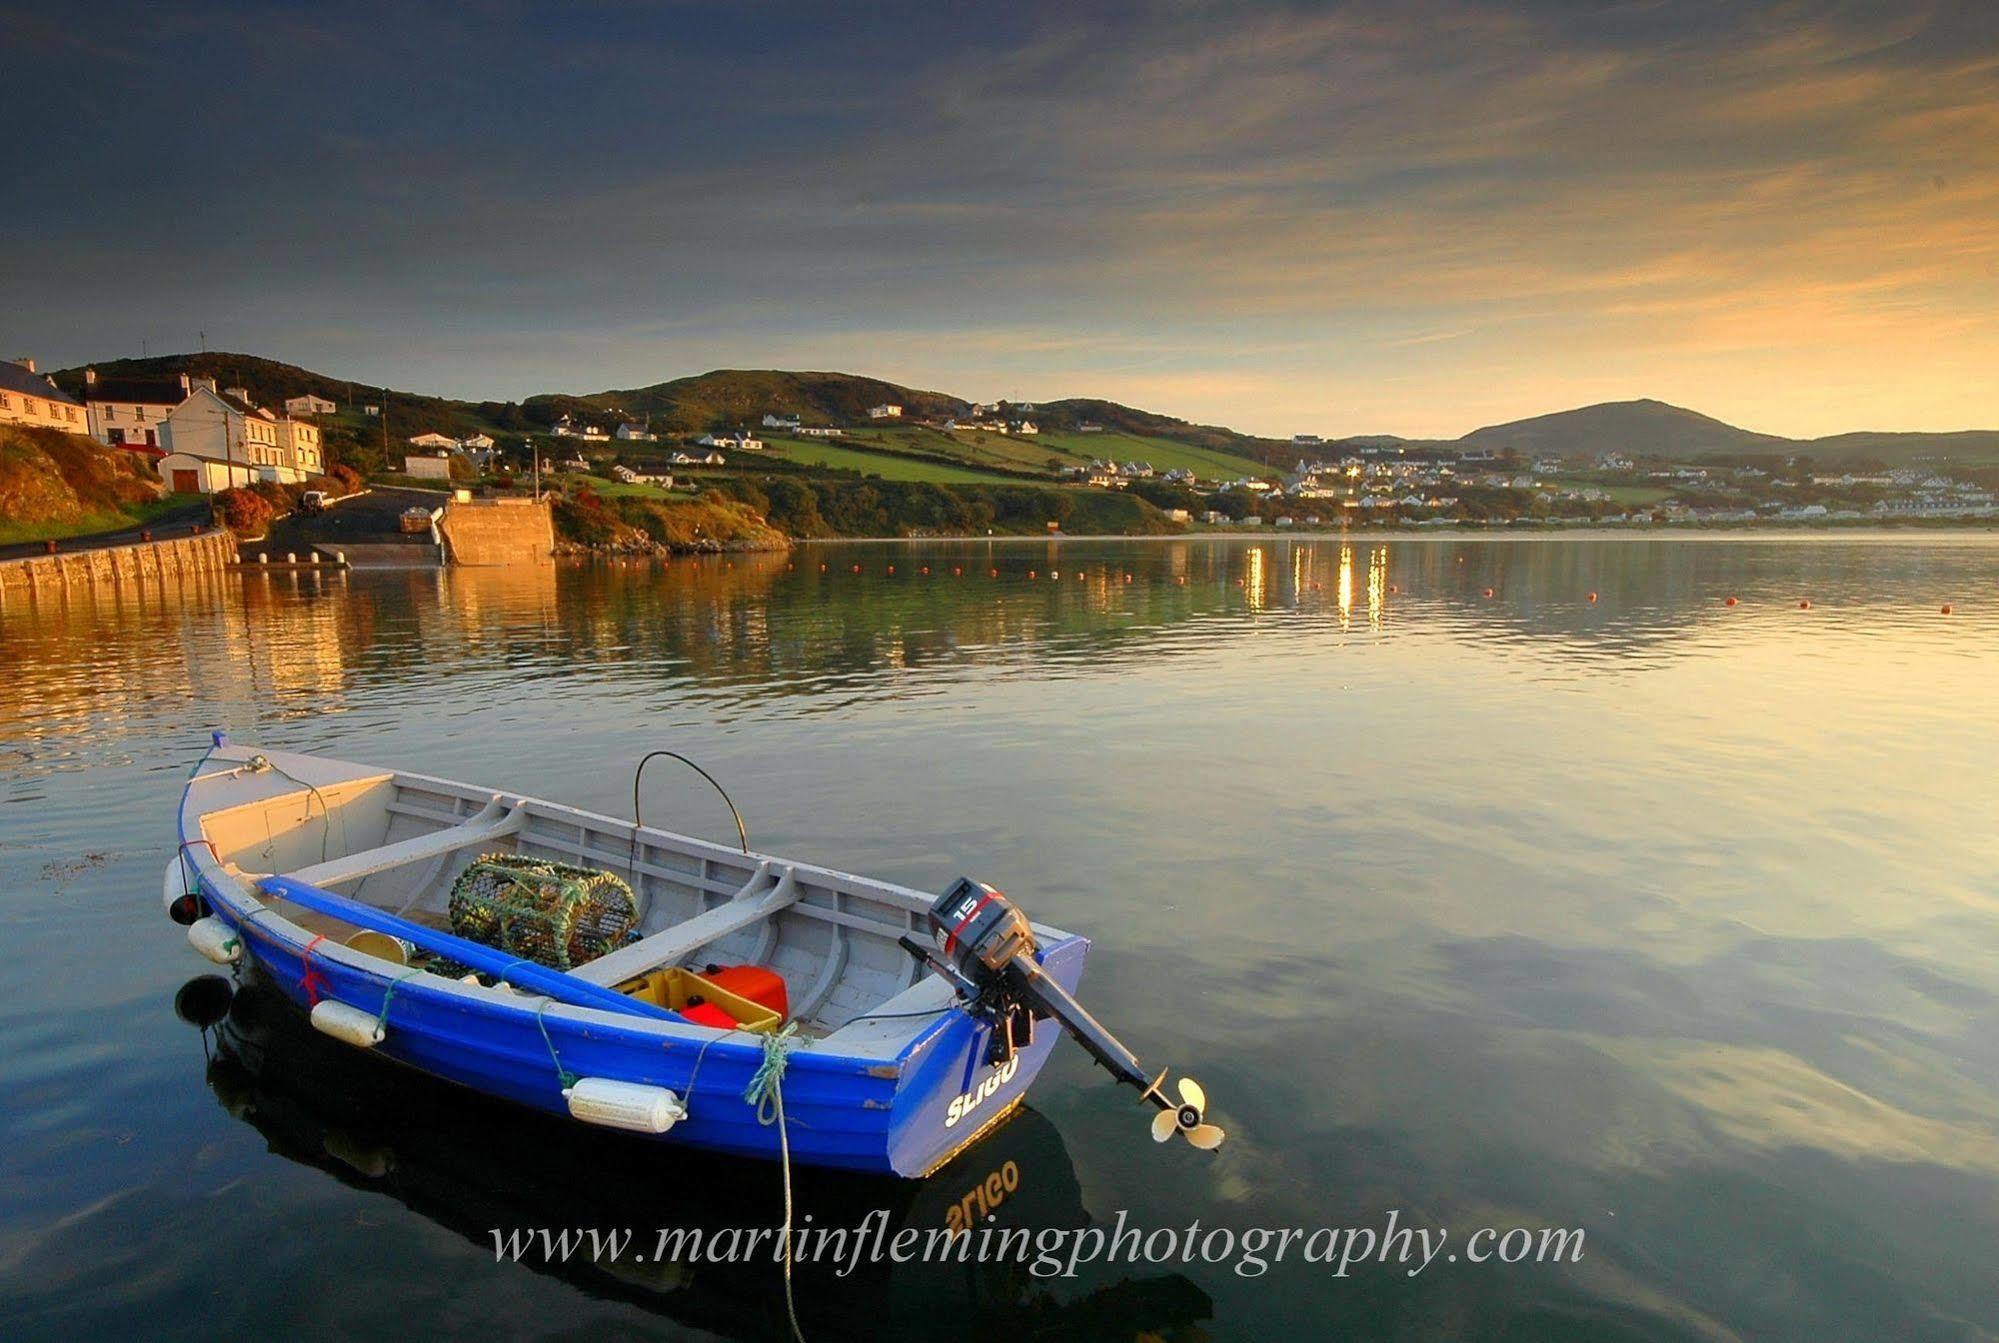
x,y
313,982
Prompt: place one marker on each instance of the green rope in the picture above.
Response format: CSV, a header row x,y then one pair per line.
x,y
382,1017
766,1093
766,1082
563,1075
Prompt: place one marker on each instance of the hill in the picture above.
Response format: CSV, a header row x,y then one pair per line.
x,y
1643,428
54,484
728,398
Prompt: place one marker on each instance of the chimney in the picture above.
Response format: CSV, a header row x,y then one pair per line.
x,y
90,377
185,388
240,393
25,362
209,383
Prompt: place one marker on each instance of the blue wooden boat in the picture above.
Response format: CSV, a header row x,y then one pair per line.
x,y
911,1026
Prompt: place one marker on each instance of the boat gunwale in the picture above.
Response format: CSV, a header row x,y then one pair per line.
x,y
241,898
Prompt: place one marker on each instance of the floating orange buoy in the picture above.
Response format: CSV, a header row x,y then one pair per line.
x,y
926,571
1079,578
822,568
958,572
857,568
1032,574
891,568
789,567
1729,602
1183,580
1592,596
1393,589
993,574
1946,608
1805,604
1488,592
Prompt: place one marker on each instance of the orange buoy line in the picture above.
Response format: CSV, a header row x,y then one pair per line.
x,y
1592,596
1488,592
1946,608
1729,602
1805,604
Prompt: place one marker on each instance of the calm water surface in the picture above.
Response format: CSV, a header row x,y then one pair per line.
x,y
1669,920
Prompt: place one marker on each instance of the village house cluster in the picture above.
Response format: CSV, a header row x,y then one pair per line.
x,y
200,437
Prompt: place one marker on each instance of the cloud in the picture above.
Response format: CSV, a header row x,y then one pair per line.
x,y
1460,203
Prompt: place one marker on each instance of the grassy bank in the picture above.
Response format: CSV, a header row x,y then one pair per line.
x,y
55,485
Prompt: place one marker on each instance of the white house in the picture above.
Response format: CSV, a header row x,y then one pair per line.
x,y
128,412
738,442
434,441
785,422
428,465
214,441
885,412
28,397
813,431
698,459
637,433
477,443
309,405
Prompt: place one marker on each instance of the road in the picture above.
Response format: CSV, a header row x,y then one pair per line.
x,y
174,522
374,518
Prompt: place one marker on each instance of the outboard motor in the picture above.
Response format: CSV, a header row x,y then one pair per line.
x,y
988,950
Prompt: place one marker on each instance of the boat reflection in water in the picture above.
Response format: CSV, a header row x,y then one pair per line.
x,y
476,1166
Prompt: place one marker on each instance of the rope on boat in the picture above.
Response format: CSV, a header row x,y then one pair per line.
x,y
766,1093
563,1075
388,996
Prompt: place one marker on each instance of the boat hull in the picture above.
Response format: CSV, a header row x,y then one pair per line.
x,y
905,1116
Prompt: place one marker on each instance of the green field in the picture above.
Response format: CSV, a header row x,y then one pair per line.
x,y
884,463
1033,453
1163,453
618,489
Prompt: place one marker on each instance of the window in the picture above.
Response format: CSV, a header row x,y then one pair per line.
x,y
69,413
6,401
110,414
28,406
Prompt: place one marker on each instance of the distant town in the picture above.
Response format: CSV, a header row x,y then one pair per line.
x,y
832,454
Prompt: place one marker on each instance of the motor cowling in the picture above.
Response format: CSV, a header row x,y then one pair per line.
x,y
980,930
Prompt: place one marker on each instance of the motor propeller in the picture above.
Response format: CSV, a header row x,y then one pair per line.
x,y
988,951
1186,1117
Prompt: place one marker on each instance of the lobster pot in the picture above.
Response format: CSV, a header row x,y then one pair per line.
x,y
547,912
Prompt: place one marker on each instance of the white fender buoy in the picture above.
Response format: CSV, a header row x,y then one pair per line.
x,y
182,907
361,1029
626,1105
216,940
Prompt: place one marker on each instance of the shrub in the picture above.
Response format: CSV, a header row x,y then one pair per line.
x,y
245,512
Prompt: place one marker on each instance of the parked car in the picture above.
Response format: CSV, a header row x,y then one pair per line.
x,y
416,520
314,501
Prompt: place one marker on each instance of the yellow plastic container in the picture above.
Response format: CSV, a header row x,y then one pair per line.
x,y
678,989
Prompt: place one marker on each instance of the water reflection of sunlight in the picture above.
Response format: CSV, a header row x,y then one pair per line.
x,y
1255,583
1377,586
1345,588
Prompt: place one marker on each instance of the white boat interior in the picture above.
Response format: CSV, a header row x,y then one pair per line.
x,y
398,841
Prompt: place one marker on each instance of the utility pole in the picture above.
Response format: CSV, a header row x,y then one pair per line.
x,y
536,445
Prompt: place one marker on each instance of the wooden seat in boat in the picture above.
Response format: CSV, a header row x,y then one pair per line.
x,y
491,822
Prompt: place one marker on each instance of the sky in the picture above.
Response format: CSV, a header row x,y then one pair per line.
x,y
1409,218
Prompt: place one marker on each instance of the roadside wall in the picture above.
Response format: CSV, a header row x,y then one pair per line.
x,y
498,531
213,550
